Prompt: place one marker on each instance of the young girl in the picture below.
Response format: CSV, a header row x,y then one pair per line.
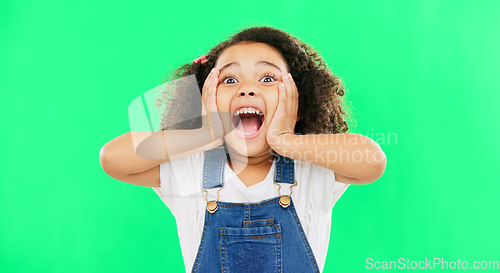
x,y
253,186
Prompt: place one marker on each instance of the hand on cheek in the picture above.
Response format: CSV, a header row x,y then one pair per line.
x,y
285,116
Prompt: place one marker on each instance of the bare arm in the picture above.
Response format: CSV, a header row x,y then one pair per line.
x,y
354,158
135,157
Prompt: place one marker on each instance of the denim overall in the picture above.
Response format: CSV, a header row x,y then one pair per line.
x,y
265,236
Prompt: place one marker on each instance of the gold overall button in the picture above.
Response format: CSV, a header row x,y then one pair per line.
x,y
284,201
212,206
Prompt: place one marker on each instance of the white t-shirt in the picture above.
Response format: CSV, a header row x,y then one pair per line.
x,y
314,197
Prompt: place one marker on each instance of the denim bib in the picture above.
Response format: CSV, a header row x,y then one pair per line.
x,y
263,236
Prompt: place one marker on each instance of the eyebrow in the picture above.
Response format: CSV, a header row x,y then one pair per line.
x,y
260,62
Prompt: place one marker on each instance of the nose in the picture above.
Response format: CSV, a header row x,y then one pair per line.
x,y
247,88
246,93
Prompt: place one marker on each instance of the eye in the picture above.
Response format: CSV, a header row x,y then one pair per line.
x,y
228,79
268,78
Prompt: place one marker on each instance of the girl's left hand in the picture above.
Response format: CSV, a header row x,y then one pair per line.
x,y
285,117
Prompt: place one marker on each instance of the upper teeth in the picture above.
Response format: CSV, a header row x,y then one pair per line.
x,y
248,110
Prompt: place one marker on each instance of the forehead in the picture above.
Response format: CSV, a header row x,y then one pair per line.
x,y
251,52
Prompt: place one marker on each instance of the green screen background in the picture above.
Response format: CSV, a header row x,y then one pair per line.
x,y
424,72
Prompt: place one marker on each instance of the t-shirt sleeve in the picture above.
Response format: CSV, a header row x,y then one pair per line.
x,y
180,178
325,190
338,188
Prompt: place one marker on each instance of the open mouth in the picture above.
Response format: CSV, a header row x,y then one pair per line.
x,y
248,122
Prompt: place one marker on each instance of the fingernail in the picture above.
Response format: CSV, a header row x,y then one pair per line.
x,y
289,75
285,77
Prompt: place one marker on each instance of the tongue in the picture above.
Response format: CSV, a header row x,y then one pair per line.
x,y
249,125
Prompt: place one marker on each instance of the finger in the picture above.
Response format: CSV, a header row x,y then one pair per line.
x,y
213,82
279,109
204,93
212,90
211,106
206,85
286,83
294,93
282,94
288,92
289,86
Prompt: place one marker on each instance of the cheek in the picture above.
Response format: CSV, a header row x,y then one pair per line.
x,y
223,102
271,104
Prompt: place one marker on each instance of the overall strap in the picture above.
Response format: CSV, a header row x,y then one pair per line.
x,y
213,168
285,169
215,160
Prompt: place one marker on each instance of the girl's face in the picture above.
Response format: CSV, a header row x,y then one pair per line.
x,y
248,81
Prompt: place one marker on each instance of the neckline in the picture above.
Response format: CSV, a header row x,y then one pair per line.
x,y
254,186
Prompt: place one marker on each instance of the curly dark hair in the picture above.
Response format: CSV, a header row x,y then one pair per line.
x,y
321,108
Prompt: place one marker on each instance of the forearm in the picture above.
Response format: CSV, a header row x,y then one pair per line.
x,y
172,144
139,151
351,155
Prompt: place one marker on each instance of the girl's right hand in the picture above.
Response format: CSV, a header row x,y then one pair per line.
x,y
211,119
